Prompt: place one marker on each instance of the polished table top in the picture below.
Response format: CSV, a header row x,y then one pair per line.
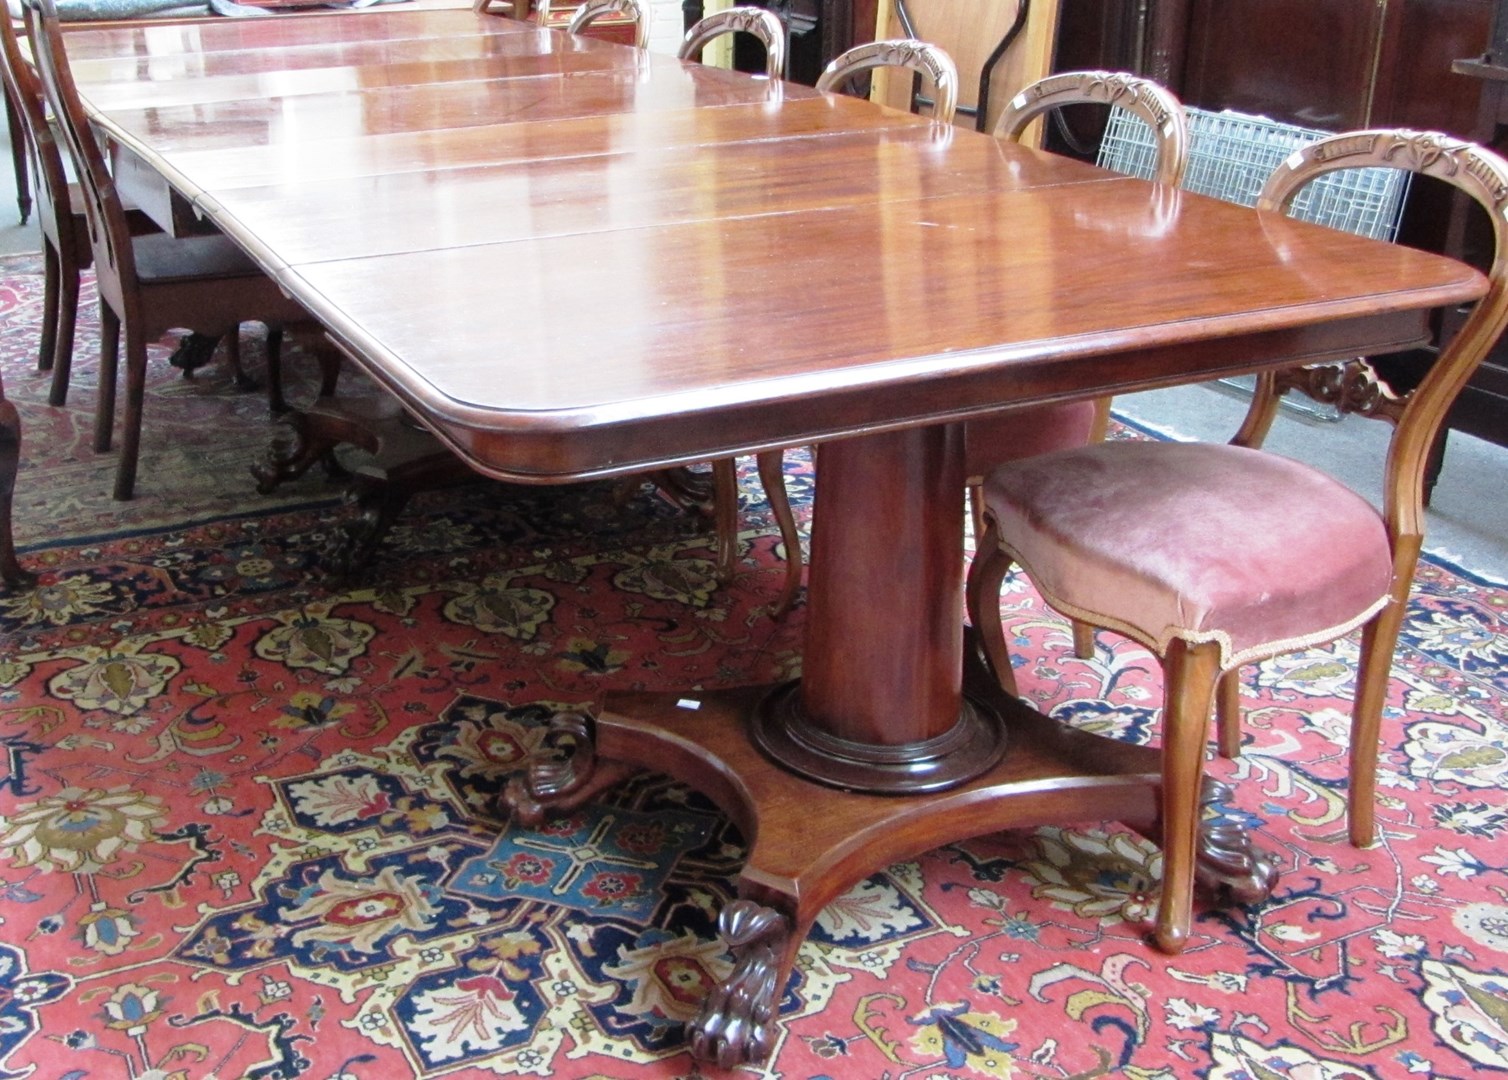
x,y
674,261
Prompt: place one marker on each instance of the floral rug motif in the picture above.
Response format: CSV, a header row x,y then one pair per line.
x,y
249,828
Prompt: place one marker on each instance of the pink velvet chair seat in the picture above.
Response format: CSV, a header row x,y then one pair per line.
x,y
1189,540
1025,433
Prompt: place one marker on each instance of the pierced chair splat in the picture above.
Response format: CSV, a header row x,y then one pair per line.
x,y
1214,556
66,250
722,501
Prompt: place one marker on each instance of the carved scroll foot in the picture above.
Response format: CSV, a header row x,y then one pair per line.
x,y
1230,868
735,1024
559,785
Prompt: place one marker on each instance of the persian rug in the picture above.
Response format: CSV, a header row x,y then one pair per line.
x,y
248,818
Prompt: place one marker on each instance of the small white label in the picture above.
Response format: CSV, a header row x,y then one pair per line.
x,y
689,703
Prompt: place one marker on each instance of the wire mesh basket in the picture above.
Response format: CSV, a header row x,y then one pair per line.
x,y
1231,155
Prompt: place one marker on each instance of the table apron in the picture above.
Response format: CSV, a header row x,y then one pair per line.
x,y
542,449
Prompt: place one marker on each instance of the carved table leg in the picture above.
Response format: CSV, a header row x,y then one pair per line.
x,y
688,489
381,492
194,350
1229,869
809,841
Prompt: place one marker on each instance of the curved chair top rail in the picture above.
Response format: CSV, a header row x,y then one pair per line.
x,y
1152,103
595,9
908,53
762,24
1481,174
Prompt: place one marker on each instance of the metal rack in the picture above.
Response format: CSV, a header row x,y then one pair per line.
x,y
1231,155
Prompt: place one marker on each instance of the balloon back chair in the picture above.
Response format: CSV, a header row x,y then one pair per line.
x,y
992,441
148,285
908,53
722,500
1214,556
592,10
915,55
758,22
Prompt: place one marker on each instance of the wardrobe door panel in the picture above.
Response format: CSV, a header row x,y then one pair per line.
x,y
1308,62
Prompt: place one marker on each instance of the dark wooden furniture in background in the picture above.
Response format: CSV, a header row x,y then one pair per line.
x,y
1333,64
617,28
1484,410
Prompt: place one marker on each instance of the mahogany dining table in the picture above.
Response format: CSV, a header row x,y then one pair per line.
x,y
572,259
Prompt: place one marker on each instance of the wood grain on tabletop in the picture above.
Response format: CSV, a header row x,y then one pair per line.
x,y
873,274
199,35
414,130
540,55
574,185
833,315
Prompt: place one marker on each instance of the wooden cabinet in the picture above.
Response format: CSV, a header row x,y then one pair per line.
x,y
1309,62
1335,64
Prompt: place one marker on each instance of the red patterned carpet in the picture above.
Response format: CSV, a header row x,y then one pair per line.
x,y
247,825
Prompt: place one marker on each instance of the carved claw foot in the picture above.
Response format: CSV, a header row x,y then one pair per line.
x,y
560,784
193,351
1230,868
379,503
289,459
735,1024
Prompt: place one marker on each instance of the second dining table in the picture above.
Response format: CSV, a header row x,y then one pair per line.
x,y
571,259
